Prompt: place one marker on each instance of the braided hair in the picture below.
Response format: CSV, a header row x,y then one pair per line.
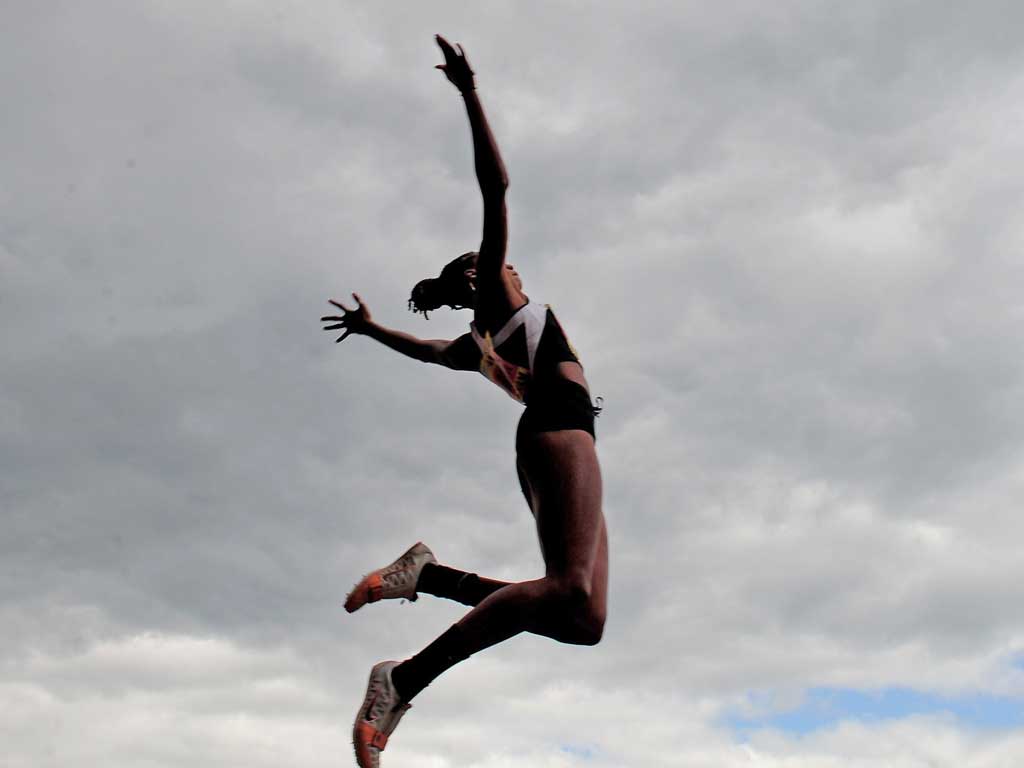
x,y
449,288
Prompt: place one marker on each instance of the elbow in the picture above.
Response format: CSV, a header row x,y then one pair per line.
x,y
494,190
494,197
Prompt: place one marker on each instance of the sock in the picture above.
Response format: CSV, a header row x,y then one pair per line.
x,y
413,675
453,584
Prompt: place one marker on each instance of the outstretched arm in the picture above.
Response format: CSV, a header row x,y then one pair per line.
x,y
490,170
359,321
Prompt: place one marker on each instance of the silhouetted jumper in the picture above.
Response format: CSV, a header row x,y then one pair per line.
x,y
520,346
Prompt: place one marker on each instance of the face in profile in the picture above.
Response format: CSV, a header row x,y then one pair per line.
x,y
470,274
516,280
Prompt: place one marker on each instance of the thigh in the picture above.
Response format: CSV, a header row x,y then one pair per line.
x,y
524,484
599,576
563,479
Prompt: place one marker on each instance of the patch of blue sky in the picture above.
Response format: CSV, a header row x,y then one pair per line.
x,y
581,751
822,708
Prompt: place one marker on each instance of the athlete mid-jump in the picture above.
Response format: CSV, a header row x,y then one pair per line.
x,y
520,346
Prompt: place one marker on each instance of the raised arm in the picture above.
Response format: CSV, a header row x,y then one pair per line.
x,y
490,170
359,321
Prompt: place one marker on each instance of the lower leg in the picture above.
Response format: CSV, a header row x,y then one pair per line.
x,y
542,606
453,584
569,603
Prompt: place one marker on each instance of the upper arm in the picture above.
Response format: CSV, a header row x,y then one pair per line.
x,y
461,354
494,242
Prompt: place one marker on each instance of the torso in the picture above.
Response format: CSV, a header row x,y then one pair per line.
x,y
527,350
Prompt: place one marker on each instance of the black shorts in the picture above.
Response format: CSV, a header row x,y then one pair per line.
x,y
554,404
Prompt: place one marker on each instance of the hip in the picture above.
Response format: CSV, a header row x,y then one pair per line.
x,y
554,405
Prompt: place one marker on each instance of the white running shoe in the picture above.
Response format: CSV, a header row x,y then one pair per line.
x,y
395,580
378,717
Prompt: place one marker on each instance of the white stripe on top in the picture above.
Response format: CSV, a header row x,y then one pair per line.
x,y
531,315
508,374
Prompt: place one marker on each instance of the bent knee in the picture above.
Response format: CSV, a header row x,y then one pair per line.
x,y
581,612
593,626
583,630
571,593
589,633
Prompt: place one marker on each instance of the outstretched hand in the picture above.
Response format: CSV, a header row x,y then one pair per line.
x,y
456,67
353,321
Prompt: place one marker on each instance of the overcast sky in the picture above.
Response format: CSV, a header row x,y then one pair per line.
x,y
786,240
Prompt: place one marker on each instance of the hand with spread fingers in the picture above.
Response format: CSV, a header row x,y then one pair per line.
x,y
353,321
456,67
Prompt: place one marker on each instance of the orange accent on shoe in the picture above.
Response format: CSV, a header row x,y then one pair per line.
x,y
366,736
374,587
369,590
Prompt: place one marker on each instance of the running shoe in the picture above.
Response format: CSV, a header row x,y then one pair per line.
x,y
378,716
395,580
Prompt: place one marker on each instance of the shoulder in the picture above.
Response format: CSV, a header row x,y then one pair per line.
x,y
462,354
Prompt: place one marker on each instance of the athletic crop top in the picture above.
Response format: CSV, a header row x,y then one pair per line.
x,y
526,350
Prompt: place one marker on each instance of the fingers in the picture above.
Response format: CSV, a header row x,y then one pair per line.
x,y
446,47
465,60
348,321
449,52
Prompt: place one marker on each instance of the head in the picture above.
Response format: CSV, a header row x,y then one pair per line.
x,y
454,287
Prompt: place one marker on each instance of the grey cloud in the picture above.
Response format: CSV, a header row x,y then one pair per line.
x,y
783,240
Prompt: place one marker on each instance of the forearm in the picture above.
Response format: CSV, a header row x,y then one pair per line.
x,y
490,170
424,350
